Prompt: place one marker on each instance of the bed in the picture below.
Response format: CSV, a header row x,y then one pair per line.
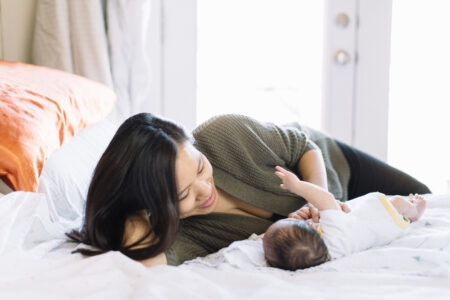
x,y
36,262
36,259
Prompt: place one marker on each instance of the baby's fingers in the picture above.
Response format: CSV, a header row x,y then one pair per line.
x,y
315,216
294,216
283,186
280,169
305,211
345,208
304,215
280,175
298,215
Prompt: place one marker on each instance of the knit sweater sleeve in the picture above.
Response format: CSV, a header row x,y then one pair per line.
x,y
244,152
243,136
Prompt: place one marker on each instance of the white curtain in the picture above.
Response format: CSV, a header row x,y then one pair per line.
x,y
110,41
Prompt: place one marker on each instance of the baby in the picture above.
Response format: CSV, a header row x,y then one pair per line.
x,y
375,219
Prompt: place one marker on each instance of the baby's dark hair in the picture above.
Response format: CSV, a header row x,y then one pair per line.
x,y
292,244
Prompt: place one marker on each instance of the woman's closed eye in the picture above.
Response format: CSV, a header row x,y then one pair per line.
x,y
201,168
184,197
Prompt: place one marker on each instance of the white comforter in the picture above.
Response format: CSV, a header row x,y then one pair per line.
x,y
35,263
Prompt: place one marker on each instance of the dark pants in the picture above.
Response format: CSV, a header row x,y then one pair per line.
x,y
369,174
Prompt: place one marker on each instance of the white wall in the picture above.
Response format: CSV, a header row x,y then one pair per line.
x,y
17,25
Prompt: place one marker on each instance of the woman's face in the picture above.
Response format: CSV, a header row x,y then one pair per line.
x,y
195,183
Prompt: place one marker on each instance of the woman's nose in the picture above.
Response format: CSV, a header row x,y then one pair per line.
x,y
203,188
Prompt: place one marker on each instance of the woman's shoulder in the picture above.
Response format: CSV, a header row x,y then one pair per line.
x,y
233,125
226,120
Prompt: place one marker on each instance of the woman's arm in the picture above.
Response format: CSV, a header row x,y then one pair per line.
x,y
316,195
312,168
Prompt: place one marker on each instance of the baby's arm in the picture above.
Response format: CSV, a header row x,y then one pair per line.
x,y
312,193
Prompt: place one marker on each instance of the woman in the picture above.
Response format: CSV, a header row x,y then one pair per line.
x,y
153,195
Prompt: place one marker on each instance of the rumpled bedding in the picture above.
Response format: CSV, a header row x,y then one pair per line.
x,y
36,263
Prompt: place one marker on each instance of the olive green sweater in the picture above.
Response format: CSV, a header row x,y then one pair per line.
x,y
243,153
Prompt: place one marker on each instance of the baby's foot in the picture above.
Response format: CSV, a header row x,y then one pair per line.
x,y
419,203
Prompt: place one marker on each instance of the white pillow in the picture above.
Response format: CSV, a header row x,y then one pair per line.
x,y
67,172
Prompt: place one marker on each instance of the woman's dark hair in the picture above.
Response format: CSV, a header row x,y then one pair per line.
x,y
294,245
135,173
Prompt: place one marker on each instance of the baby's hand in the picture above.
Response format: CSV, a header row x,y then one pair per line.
x,y
290,180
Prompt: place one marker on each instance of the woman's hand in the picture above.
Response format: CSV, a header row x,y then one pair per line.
x,y
344,207
308,211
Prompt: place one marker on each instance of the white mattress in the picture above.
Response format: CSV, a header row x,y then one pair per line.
x,y
35,263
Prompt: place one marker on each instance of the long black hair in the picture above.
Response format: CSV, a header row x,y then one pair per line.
x,y
135,173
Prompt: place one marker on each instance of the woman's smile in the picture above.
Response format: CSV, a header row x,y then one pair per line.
x,y
197,192
210,200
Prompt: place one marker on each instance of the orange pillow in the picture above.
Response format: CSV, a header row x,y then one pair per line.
x,y
40,109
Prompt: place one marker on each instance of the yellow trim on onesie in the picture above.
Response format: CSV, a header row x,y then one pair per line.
x,y
401,222
320,231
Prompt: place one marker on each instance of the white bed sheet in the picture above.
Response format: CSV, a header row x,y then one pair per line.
x,y
35,263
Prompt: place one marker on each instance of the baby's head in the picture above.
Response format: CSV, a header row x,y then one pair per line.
x,y
292,244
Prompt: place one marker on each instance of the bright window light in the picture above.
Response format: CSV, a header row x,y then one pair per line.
x,y
419,123
261,58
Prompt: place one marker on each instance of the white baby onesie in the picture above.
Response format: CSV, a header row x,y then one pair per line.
x,y
373,221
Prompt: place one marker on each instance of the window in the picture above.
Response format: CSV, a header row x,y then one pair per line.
x,y
418,139
262,58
